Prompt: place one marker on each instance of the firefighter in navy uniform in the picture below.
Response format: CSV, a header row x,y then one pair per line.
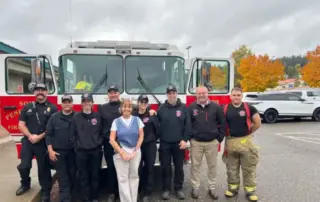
x,y
32,123
87,138
149,146
60,149
175,131
109,112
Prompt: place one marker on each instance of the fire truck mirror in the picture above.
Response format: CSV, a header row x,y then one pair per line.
x,y
37,72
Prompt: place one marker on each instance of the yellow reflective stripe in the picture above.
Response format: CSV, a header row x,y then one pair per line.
x,y
249,189
233,186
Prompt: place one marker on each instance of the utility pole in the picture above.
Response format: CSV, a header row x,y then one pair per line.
x,y
188,48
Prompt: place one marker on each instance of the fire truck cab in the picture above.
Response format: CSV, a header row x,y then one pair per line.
x,y
134,66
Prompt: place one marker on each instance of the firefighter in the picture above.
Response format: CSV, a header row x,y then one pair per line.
x,y
109,112
175,131
208,126
32,122
87,138
61,151
148,147
242,120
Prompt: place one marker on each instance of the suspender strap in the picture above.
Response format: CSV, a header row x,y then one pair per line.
x,y
248,114
225,109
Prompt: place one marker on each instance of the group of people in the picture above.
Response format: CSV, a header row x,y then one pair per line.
x,y
127,137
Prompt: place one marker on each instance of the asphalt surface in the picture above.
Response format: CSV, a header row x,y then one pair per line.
x,y
289,168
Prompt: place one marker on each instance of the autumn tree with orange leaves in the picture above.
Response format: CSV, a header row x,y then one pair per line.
x,y
259,73
310,73
218,77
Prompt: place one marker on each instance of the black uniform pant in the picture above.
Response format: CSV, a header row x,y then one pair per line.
x,y
66,173
88,165
112,181
146,171
167,152
28,151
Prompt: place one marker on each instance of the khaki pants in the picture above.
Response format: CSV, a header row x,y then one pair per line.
x,y
241,152
128,177
210,150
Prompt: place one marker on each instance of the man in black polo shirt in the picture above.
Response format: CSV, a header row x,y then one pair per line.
x,y
61,151
242,120
32,123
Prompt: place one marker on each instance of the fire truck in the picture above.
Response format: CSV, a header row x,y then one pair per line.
x,y
134,66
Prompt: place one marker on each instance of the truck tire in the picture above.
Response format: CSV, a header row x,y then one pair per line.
x,y
270,116
316,115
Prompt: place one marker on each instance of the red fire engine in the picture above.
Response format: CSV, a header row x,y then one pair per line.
x,y
134,66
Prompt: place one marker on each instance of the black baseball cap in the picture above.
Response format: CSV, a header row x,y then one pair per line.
x,y
66,97
40,86
171,88
113,87
143,97
86,96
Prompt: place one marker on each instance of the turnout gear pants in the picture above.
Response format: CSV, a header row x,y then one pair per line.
x,y
88,165
66,173
39,150
241,152
210,151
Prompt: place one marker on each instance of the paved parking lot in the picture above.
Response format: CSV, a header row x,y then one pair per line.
x,y
289,169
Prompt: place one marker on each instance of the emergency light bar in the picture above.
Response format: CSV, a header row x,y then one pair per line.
x,y
123,45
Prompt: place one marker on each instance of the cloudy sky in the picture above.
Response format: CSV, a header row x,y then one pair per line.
x,y
212,28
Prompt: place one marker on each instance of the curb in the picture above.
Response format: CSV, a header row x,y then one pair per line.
x,y
37,196
5,139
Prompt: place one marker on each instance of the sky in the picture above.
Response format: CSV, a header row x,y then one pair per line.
x,y
213,27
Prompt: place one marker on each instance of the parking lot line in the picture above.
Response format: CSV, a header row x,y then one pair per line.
x,y
286,135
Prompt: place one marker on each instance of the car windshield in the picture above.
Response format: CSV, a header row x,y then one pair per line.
x,y
78,73
156,71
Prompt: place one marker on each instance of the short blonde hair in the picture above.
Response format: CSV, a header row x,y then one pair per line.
x,y
125,101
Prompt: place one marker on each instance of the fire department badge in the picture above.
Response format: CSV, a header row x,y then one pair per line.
x,y
178,113
94,121
195,112
145,120
242,113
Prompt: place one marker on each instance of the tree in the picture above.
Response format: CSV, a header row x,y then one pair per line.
x,y
311,71
217,77
237,55
260,73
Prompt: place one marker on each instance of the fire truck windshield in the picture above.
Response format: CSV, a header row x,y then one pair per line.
x,y
78,73
156,71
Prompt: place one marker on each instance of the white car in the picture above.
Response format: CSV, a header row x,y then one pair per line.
x,y
272,106
311,94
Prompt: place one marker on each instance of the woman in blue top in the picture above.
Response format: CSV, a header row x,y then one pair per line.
x,y
126,137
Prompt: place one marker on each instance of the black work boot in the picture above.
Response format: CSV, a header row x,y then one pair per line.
x,y
165,195
146,199
22,189
180,195
213,194
195,193
45,198
111,198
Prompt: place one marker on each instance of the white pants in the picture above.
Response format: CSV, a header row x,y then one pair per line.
x,y
128,177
